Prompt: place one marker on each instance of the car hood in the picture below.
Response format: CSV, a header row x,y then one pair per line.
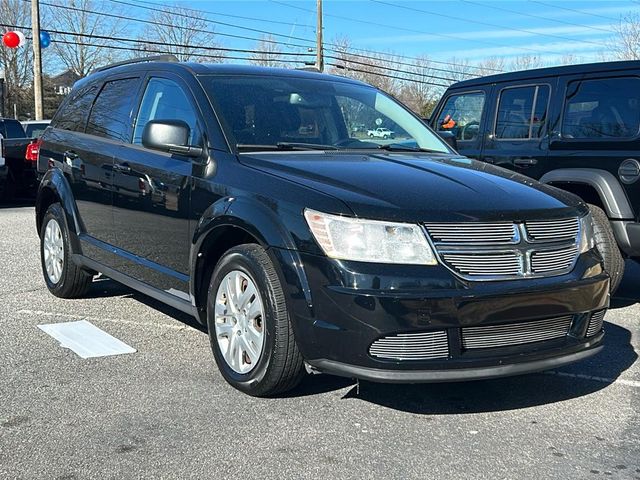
x,y
419,187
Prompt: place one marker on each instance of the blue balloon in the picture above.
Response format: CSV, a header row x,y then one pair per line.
x,y
45,39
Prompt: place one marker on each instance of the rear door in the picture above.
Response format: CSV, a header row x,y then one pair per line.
x,y
464,114
517,135
152,191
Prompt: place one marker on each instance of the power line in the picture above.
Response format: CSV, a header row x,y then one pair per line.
x,y
581,12
486,24
387,76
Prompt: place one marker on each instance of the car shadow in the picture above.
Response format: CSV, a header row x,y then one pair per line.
x,y
20,202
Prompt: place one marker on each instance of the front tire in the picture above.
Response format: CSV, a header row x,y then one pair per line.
x,y
607,246
64,278
249,327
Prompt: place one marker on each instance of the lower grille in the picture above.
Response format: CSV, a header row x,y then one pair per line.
x,y
595,323
412,346
554,260
492,336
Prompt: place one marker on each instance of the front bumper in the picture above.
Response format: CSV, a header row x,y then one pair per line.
x,y
340,309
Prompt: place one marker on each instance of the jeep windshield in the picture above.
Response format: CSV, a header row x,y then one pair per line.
x,y
263,113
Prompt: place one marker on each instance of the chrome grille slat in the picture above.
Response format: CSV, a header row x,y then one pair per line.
x,y
492,336
412,346
548,261
472,232
555,230
595,323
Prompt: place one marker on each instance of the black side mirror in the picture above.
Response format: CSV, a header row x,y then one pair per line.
x,y
169,136
449,138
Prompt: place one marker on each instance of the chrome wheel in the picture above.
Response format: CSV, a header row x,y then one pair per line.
x,y
239,321
53,250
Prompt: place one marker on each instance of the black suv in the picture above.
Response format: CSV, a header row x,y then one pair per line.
x,y
575,127
246,197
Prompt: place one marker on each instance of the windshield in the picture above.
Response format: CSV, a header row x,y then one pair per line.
x,y
298,113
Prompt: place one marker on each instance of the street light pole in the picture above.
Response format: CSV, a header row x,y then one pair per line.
x,y
319,52
37,59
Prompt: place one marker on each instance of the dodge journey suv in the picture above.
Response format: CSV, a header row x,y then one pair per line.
x,y
246,197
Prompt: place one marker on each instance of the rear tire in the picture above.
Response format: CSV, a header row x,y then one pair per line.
x,y
255,352
607,246
64,278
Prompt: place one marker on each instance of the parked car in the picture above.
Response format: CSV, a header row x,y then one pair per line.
x,y
574,127
35,128
325,253
19,172
381,133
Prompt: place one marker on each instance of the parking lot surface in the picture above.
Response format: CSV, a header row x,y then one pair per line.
x,y
165,411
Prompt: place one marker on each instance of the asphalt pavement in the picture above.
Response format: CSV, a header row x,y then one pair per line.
x,y
166,412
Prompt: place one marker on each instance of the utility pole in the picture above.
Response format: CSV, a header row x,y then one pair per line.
x,y
37,59
319,52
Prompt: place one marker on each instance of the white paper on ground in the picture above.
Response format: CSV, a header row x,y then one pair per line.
x,y
86,339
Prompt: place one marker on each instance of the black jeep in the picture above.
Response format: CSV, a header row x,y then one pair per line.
x,y
575,127
244,196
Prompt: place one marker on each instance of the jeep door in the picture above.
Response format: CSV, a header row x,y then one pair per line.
x,y
517,136
152,191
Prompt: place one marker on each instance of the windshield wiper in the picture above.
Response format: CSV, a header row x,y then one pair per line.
x,y
396,147
285,146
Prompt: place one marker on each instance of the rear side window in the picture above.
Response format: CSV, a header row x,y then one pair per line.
x,y
73,114
111,113
14,129
461,115
602,108
522,112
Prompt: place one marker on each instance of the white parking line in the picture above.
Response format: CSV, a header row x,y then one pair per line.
x,y
619,381
41,313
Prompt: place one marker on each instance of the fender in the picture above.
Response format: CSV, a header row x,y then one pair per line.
x,y
54,182
605,183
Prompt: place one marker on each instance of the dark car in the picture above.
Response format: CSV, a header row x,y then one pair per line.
x,y
300,246
574,127
17,168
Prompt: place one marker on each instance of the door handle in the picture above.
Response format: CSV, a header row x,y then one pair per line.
x,y
71,155
122,167
525,162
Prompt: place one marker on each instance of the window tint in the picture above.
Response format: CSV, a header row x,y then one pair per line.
x,y
461,115
14,129
111,112
522,112
73,114
35,130
602,108
165,100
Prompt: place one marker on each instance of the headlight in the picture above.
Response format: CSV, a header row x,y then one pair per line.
x,y
370,240
587,235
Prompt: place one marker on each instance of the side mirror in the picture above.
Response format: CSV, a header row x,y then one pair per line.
x,y
169,136
449,138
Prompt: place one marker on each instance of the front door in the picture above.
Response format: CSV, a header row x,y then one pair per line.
x,y
152,193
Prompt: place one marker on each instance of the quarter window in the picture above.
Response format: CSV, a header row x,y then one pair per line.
x,y
522,112
602,108
73,114
111,113
165,100
461,115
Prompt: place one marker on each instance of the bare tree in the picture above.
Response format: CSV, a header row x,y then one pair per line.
x,y
84,48
17,63
269,53
526,62
490,66
181,31
625,44
420,92
460,69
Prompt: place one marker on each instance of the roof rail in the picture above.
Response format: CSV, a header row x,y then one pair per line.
x,y
309,68
156,58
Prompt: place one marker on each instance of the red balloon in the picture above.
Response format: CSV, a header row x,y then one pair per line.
x,y
11,39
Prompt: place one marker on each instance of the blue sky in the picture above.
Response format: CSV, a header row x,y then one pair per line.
x,y
441,29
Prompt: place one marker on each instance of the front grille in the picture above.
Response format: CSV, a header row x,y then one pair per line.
x,y
484,264
595,323
553,230
553,260
507,250
492,336
412,346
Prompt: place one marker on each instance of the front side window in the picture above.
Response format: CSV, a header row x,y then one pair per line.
x,y
461,115
111,113
522,112
279,112
602,108
165,100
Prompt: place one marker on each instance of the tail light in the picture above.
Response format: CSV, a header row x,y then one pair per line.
x,y
33,151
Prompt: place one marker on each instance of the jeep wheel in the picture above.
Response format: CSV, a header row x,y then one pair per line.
x,y
63,277
249,328
607,246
